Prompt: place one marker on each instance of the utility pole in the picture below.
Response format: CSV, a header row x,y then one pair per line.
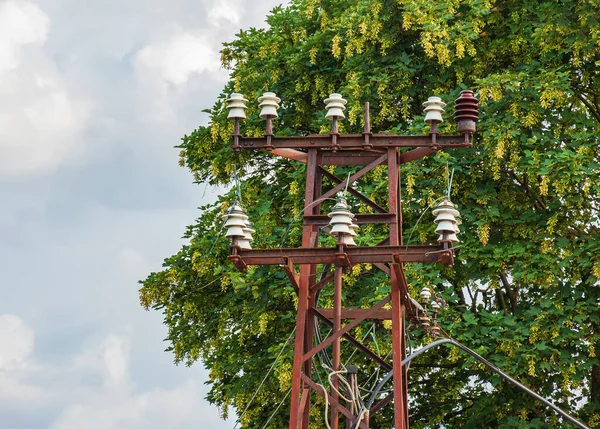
x,y
367,151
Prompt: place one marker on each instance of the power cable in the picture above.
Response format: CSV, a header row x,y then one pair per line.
x,y
486,363
265,379
277,409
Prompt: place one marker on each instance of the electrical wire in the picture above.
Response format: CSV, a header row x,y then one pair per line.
x,y
295,218
419,219
277,409
265,378
364,338
494,368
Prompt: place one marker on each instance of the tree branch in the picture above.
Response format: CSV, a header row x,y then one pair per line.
x,y
587,104
512,296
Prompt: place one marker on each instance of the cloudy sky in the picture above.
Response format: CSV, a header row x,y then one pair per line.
x,y
94,95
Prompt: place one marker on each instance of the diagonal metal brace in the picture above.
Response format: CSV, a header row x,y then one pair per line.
x,y
346,328
382,363
360,173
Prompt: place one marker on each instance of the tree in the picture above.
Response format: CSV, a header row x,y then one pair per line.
x,y
525,290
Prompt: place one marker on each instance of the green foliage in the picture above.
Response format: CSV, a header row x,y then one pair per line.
x,y
524,291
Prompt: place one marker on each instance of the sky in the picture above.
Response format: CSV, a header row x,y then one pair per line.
x,y
94,94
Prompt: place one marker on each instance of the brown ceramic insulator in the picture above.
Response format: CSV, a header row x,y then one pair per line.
x,y
467,106
466,112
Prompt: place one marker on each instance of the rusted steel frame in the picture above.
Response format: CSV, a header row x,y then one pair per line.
x,y
414,154
353,313
303,401
293,154
400,393
393,185
319,389
346,329
354,192
367,129
382,267
308,344
356,254
321,283
406,304
292,275
236,136
360,173
238,262
378,406
361,219
325,319
350,157
350,141
337,341
295,417
402,283
303,300
317,180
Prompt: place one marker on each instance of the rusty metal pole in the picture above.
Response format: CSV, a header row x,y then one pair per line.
x,y
398,352
337,325
400,420
303,297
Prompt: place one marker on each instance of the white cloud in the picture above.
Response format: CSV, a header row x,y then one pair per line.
x,y
225,12
114,403
21,23
118,404
16,349
178,58
16,343
39,119
154,409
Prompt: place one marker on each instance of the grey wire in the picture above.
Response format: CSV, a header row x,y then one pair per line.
x,y
298,217
347,183
363,340
265,379
486,363
277,409
450,183
216,238
236,179
419,220
210,283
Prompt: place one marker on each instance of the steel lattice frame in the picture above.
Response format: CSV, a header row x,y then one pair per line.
x,y
369,151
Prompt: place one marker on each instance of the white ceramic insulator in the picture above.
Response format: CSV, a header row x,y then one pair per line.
x,y
348,240
444,215
446,206
425,294
453,212
452,238
435,305
235,231
248,233
340,218
340,228
353,228
445,226
434,107
236,103
243,243
236,220
269,103
335,106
